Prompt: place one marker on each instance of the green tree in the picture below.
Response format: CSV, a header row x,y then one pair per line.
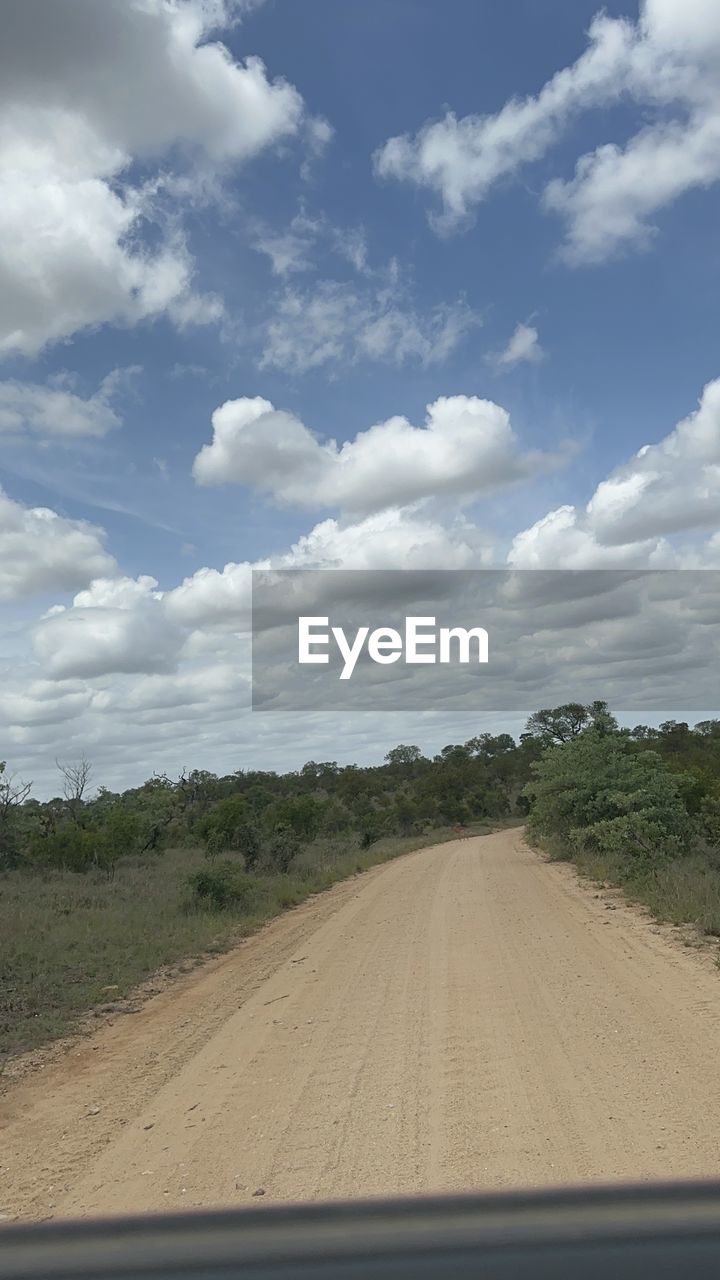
x,y
301,814
559,724
403,755
228,829
593,792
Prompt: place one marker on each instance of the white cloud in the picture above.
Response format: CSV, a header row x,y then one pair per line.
x,y
351,243
42,551
390,539
118,593
71,219
120,626
332,321
523,346
463,159
467,447
666,488
57,412
44,703
614,193
563,539
318,135
116,625
668,62
336,322
290,250
212,597
287,252
295,248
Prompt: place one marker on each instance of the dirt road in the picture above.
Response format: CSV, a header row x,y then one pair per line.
x,y
466,1017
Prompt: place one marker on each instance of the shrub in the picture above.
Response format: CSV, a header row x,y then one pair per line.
x,y
222,886
593,794
282,846
229,829
69,848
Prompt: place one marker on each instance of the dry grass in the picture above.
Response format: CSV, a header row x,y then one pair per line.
x,y
71,942
684,891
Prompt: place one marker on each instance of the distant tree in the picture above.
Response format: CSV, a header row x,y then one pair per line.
x,y
708,728
643,733
76,779
301,814
487,745
559,724
282,846
229,829
403,755
317,772
13,794
675,734
455,752
601,718
404,815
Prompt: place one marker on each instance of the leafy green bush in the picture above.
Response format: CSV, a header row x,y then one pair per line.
x,y
592,793
222,886
69,848
228,828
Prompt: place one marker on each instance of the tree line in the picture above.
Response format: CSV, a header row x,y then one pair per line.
x,y
581,781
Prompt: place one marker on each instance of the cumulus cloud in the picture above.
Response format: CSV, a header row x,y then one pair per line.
x,y
564,539
116,625
71,217
523,346
666,488
466,447
668,62
211,597
120,625
42,551
389,539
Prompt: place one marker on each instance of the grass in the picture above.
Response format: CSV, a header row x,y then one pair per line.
x,y
684,891
72,942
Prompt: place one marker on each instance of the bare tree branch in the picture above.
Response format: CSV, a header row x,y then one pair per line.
x,y
12,793
76,778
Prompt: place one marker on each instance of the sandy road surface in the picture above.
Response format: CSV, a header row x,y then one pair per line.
x,y
466,1017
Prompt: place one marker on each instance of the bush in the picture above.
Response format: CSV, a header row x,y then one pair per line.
x,y
592,794
229,829
69,848
282,846
223,886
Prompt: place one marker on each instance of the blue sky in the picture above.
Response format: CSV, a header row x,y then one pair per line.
x,y
545,244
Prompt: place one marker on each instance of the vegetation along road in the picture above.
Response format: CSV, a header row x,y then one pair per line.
x,y
467,1016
